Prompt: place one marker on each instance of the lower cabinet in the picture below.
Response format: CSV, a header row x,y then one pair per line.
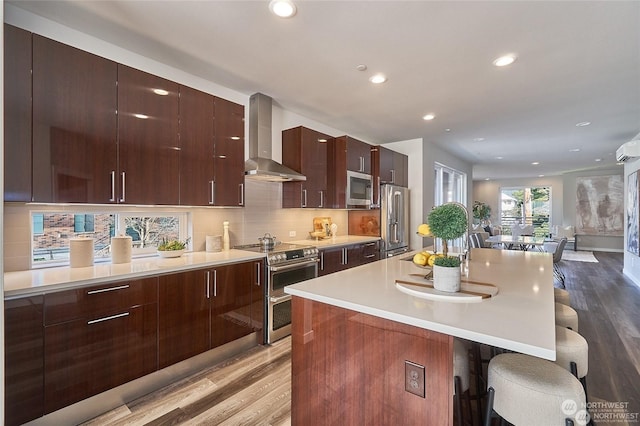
x,y
203,309
105,339
24,360
340,258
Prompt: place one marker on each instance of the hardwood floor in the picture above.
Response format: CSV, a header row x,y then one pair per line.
x,y
254,388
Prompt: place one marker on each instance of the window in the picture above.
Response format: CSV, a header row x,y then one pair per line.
x,y
526,206
51,232
450,186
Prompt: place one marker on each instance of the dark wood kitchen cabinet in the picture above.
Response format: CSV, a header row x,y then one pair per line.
x,y
24,360
149,152
336,259
229,153
388,166
97,338
331,260
345,153
74,124
358,155
17,114
206,308
305,151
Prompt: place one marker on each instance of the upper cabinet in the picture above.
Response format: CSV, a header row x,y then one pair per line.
x,y
149,153
229,153
305,151
17,114
74,124
358,155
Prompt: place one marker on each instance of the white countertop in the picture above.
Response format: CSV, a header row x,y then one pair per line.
x,y
520,317
341,240
38,281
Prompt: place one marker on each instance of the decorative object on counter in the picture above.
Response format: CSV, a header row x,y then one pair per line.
x,y
80,252
334,230
213,243
121,249
321,228
447,222
268,242
172,248
482,213
225,235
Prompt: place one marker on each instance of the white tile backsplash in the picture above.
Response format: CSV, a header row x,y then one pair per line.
x,y
262,213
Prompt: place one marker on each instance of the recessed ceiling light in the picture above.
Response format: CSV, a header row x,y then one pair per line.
x,y
505,60
428,117
540,175
378,78
361,67
447,130
499,158
478,139
160,92
487,179
282,8
574,150
583,123
535,163
598,160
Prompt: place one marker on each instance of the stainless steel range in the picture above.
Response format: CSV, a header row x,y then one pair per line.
x,y
286,264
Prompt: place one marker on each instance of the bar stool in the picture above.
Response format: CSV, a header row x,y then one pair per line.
x,y
566,316
572,354
525,390
460,378
562,296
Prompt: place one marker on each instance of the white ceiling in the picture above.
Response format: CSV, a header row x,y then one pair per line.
x,y
577,61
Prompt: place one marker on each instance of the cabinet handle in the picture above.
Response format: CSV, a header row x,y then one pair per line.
x,y
322,261
361,164
124,314
207,275
212,195
304,198
370,244
258,274
113,186
344,256
379,193
102,290
369,256
241,203
215,283
123,174
321,199
393,176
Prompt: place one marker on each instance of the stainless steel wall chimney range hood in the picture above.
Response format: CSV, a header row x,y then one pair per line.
x,y
260,165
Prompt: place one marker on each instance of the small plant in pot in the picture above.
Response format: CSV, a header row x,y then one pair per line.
x,y
481,212
447,222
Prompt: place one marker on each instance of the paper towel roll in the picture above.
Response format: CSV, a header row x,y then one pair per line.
x,y
213,243
80,252
121,249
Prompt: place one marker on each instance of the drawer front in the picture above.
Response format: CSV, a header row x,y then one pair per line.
x,y
97,301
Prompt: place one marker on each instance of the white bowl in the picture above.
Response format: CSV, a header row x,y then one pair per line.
x,y
170,253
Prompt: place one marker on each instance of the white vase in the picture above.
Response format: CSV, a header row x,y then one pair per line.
x,y
446,278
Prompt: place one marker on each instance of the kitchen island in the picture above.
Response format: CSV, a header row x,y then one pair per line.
x,y
354,331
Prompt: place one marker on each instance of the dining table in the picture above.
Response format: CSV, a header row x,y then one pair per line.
x,y
519,242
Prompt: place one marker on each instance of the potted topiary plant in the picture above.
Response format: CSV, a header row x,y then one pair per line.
x,y
481,212
447,222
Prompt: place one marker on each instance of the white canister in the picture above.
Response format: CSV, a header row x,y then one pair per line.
x,y
80,252
213,243
121,249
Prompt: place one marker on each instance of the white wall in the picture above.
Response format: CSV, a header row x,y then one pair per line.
x,y
631,266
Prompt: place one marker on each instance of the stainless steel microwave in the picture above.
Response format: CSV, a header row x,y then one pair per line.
x,y
358,190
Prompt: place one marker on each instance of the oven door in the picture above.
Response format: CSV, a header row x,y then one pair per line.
x,y
278,302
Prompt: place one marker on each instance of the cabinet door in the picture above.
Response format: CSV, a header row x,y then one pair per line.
x,y
88,356
231,302
149,154
196,148
370,252
24,359
74,132
400,169
358,156
314,167
183,326
17,114
386,165
331,260
257,299
229,153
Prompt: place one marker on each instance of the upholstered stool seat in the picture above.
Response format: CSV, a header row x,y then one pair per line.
x,y
562,296
526,390
572,354
566,316
460,377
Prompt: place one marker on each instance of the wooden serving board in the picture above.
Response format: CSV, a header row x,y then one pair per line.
x,y
470,291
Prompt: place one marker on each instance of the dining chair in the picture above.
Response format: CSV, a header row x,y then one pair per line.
x,y
557,257
474,241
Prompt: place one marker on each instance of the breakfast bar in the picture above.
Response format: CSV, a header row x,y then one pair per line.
x,y
354,332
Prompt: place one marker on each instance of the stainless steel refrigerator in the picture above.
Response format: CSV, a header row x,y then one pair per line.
x,y
394,220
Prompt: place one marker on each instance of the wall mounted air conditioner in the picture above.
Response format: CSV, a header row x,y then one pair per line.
x,y
628,150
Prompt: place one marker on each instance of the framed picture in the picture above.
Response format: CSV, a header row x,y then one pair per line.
x,y
632,213
600,205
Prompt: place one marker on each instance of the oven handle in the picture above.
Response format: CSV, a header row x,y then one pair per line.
x,y
280,299
294,266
